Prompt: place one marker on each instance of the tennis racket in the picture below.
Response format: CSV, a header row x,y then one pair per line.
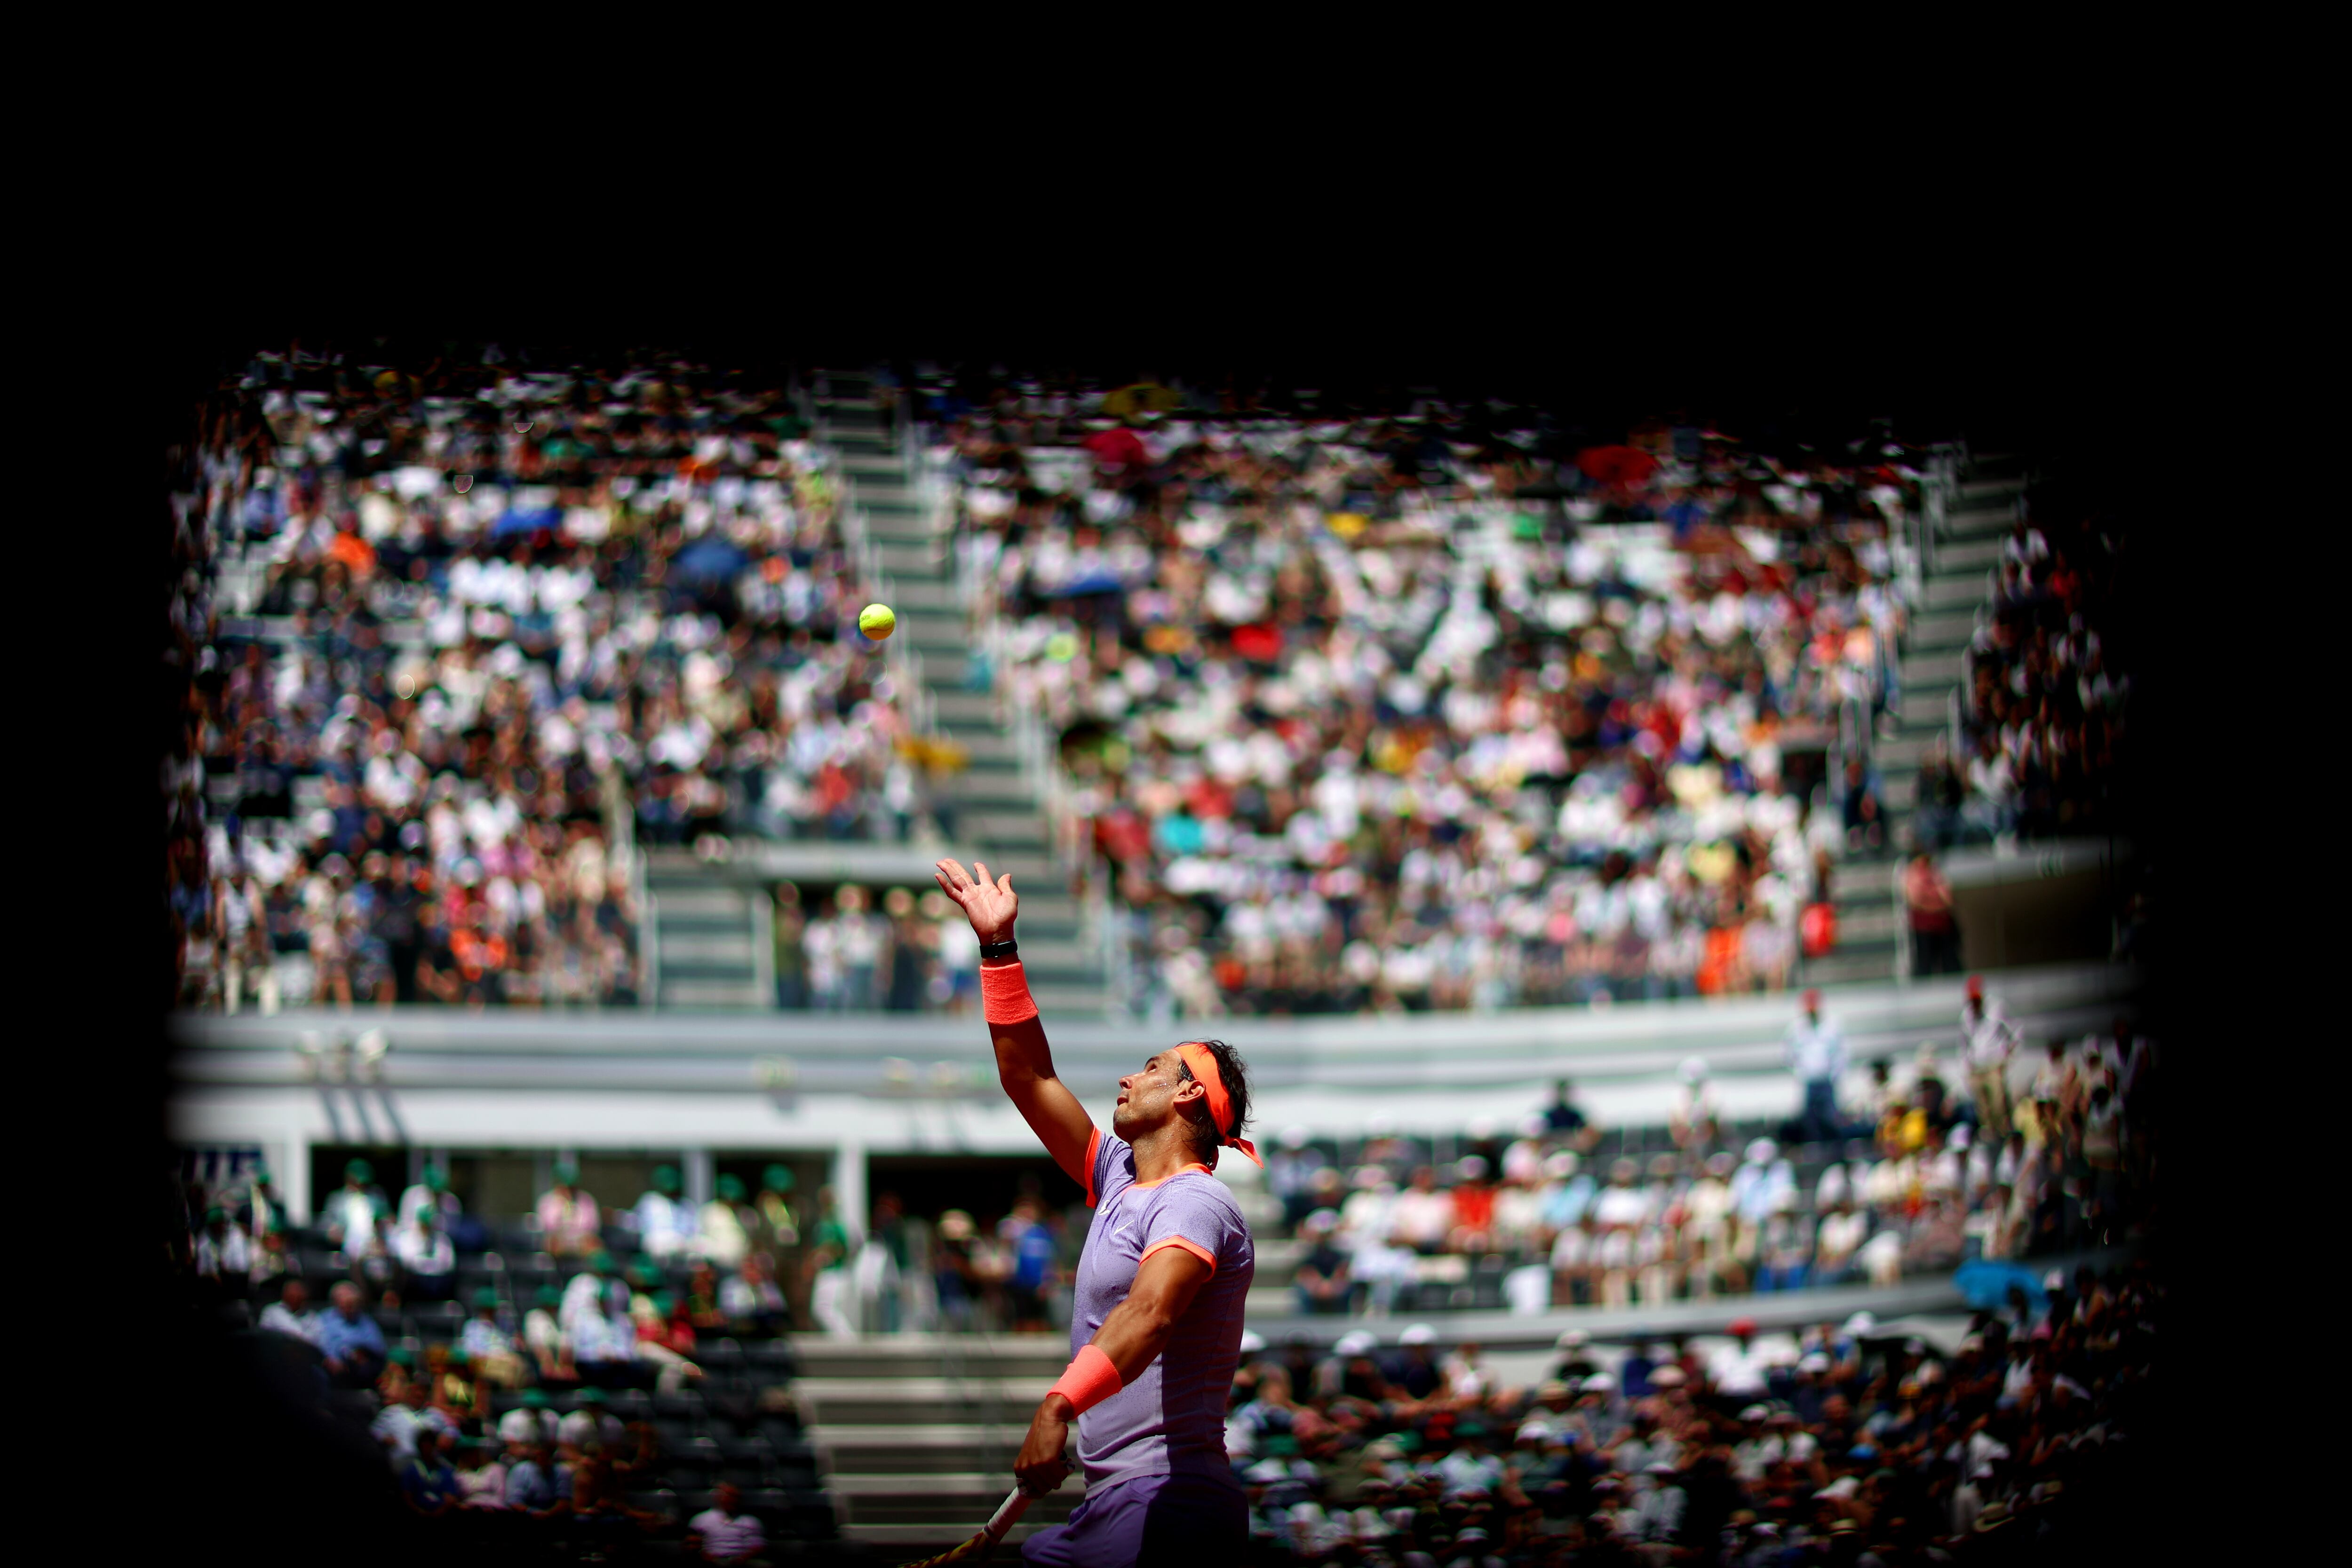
x,y
977,1549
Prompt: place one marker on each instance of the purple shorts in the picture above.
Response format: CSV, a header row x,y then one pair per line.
x,y
1149,1520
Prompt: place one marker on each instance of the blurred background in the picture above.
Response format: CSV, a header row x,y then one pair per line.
x,y
1674,873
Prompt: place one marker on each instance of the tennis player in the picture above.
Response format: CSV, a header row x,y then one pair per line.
x,y
1156,1331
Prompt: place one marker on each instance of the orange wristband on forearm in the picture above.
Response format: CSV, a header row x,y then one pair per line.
x,y
1005,995
1087,1381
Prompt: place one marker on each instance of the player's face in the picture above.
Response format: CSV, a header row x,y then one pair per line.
x,y
1148,1098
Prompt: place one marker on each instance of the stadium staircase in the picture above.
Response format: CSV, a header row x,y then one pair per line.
x,y
1955,583
917,1433
712,924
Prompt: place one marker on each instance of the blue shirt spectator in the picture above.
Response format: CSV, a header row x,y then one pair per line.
x,y
350,1339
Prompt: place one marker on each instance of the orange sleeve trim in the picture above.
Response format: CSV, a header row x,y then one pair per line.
x,y
1093,1147
1194,1247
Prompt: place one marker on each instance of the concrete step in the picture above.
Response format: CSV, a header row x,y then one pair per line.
x,y
917,561
1925,707
957,706
912,1401
1839,969
935,596
1942,630
1867,924
703,901
1972,554
1978,523
1969,589
1019,830
696,993
1069,1001
1941,668
934,1354
1979,488
678,949
989,788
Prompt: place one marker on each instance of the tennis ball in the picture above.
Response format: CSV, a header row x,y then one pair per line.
x,y
878,621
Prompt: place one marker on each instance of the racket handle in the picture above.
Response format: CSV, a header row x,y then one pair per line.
x,y
1008,1513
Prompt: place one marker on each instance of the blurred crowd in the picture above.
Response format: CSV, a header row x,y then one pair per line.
x,y
853,949
1443,709
1840,1443
2045,698
562,1377
1975,1150
457,636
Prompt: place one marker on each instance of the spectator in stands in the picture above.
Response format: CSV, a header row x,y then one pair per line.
x,y
568,1217
292,1313
1695,1120
355,1211
538,1485
544,1336
481,1475
428,1260
1816,1053
1932,916
1322,1278
1990,1042
588,1423
530,1423
487,1344
752,1302
223,1251
664,1222
409,1415
778,1227
724,1532
428,1484
350,1340
728,1223
429,1194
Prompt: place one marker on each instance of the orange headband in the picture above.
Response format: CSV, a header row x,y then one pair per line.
x,y
1202,1062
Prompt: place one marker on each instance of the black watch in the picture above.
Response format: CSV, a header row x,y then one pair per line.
x,y
1004,950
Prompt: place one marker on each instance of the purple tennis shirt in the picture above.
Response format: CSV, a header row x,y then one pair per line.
x,y
1171,1420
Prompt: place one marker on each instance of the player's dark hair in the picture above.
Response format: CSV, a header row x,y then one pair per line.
x,y
1207,1137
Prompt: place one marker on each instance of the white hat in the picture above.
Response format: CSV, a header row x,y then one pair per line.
x,y
1598,1383
1694,1068
1295,1136
1355,1342
1572,1339
1419,1333
1755,1413
1473,1167
1534,1432
1668,1378
1252,1343
1860,1324
1321,1219
1560,1165
1762,1151
1816,1361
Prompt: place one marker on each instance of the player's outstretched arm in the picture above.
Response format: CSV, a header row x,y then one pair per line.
x,y
1024,1063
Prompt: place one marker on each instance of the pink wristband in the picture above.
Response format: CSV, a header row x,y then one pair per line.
x,y
1087,1381
1005,994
